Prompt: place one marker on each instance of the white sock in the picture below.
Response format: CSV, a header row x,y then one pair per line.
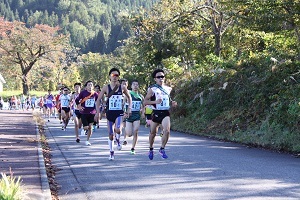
x,y
110,144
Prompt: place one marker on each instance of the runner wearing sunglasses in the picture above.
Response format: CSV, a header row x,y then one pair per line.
x,y
158,96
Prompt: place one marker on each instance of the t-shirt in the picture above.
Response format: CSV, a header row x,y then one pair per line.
x,y
88,105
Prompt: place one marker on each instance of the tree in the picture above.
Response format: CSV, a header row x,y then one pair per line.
x,y
24,46
95,67
276,16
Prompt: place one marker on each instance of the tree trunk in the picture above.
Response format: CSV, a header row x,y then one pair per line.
x,y
25,85
218,44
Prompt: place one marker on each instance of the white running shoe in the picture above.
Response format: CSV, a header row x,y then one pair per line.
x,y
119,147
82,133
111,156
87,143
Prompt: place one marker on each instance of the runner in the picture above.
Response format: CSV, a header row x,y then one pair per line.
x,y
49,104
33,102
159,96
58,107
114,110
96,123
64,101
124,82
133,121
148,115
86,105
41,103
23,102
28,102
76,113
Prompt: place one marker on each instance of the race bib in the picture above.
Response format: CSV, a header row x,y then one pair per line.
x,y
65,103
48,101
136,106
90,103
115,102
165,104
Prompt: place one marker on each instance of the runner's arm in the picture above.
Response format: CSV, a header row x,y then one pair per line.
x,y
98,101
126,92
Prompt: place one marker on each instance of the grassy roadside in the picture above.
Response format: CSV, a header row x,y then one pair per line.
x,y
6,94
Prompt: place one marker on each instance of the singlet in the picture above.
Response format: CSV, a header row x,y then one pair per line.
x,y
136,101
49,99
74,105
114,102
65,100
161,92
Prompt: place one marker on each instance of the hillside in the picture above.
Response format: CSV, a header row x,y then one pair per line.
x,y
255,103
93,25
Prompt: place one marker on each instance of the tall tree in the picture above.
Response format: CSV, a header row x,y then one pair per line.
x,y
24,46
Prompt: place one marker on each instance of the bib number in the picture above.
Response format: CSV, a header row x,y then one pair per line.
x,y
136,106
90,103
115,102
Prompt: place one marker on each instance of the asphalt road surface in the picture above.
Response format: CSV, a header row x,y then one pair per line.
x,y
197,168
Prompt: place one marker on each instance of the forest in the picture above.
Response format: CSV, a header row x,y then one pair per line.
x,y
233,65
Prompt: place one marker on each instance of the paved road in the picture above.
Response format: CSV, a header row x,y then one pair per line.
x,y
197,168
21,153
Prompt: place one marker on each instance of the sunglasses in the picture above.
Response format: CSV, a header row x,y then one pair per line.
x,y
114,75
65,90
160,77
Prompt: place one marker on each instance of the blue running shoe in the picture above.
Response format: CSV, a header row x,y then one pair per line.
x,y
151,154
163,154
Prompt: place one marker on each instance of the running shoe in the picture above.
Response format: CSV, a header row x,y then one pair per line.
x,y
124,142
87,143
119,146
163,154
82,132
48,120
151,154
161,134
111,156
77,140
132,152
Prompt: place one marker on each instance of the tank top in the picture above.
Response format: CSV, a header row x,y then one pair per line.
x,y
115,101
136,102
162,92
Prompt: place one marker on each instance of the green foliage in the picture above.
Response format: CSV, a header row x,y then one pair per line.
x,y
258,106
82,19
10,187
7,94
